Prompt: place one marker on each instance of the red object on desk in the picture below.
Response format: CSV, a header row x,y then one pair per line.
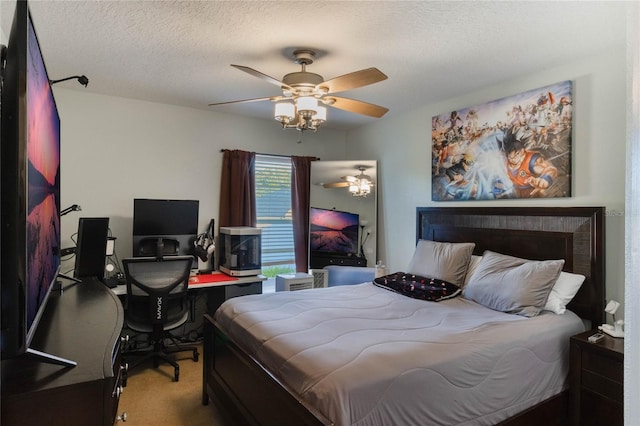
x,y
210,278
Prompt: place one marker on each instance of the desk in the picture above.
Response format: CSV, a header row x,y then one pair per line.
x,y
82,324
219,290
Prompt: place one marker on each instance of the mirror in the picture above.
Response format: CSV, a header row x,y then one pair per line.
x,y
330,190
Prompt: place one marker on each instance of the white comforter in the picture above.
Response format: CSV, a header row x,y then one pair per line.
x,y
363,355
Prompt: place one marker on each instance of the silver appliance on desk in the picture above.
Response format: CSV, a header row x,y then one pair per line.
x,y
240,250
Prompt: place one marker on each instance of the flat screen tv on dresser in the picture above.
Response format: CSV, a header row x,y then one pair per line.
x,y
30,169
333,238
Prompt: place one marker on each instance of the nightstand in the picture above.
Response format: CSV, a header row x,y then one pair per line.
x,y
596,380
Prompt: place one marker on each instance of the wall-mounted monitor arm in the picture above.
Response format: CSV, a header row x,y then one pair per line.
x,y
82,79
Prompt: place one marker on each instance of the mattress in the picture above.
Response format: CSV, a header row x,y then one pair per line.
x,y
363,355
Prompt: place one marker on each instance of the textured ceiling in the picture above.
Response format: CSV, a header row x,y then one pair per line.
x,y
179,52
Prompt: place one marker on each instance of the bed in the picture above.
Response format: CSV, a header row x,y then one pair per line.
x,y
261,381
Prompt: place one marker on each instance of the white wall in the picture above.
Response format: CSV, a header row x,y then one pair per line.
x,y
599,138
116,149
7,10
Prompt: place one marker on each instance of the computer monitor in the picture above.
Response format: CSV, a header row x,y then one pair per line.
x,y
163,227
91,247
165,217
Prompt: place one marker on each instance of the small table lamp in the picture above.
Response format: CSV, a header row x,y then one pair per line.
x,y
614,330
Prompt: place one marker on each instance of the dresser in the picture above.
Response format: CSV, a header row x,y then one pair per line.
x,y
596,380
320,260
82,324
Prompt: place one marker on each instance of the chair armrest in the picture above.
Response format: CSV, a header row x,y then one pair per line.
x,y
345,275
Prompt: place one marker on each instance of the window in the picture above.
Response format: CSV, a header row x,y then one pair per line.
x,y
273,205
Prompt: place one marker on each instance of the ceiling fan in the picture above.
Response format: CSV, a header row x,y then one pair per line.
x,y
302,92
359,185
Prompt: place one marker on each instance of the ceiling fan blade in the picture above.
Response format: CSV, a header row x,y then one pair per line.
x,y
272,98
358,107
260,75
354,80
336,185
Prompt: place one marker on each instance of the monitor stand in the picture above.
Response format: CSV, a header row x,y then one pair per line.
x,y
69,278
59,287
49,358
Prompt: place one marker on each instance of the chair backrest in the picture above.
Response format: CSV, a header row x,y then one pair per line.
x,y
156,288
346,275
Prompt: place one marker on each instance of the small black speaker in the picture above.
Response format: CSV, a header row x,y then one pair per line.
x,y
91,247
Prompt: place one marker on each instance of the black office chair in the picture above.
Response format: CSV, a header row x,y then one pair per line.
x,y
156,303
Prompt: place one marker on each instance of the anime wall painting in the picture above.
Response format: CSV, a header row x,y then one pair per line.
x,y
515,147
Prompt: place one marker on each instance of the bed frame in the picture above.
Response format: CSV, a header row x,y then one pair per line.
x,y
249,394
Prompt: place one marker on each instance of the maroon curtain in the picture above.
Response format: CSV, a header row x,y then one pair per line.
x,y
300,188
238,189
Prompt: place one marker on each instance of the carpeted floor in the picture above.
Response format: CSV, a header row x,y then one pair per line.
x,y
151,397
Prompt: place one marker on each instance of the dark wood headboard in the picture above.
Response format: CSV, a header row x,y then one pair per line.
x,y
575,234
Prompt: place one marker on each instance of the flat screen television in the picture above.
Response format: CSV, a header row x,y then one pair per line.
x,y
165,227
333,232
30,170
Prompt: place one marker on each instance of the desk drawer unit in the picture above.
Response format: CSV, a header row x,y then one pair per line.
x,y
236,290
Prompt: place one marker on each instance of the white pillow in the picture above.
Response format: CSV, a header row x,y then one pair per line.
x,y
563,292
444,261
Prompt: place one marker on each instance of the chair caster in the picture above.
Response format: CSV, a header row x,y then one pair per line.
x,y
196,356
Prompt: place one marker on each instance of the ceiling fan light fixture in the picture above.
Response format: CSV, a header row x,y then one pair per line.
x,y
321,116
303,92
307,106
360,188
357,185
284,112
361,184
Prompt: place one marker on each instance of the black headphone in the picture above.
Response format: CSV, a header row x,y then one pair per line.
x,y
205,244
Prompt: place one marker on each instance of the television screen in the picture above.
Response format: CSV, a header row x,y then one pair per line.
x,y
333,231
43,181
30,186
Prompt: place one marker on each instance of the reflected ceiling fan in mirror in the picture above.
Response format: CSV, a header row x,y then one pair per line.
x,y
305,94
359,186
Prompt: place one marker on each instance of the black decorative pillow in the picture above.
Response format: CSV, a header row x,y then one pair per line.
x,y
418,287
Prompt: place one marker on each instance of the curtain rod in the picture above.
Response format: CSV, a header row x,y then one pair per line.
x,y
261,153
